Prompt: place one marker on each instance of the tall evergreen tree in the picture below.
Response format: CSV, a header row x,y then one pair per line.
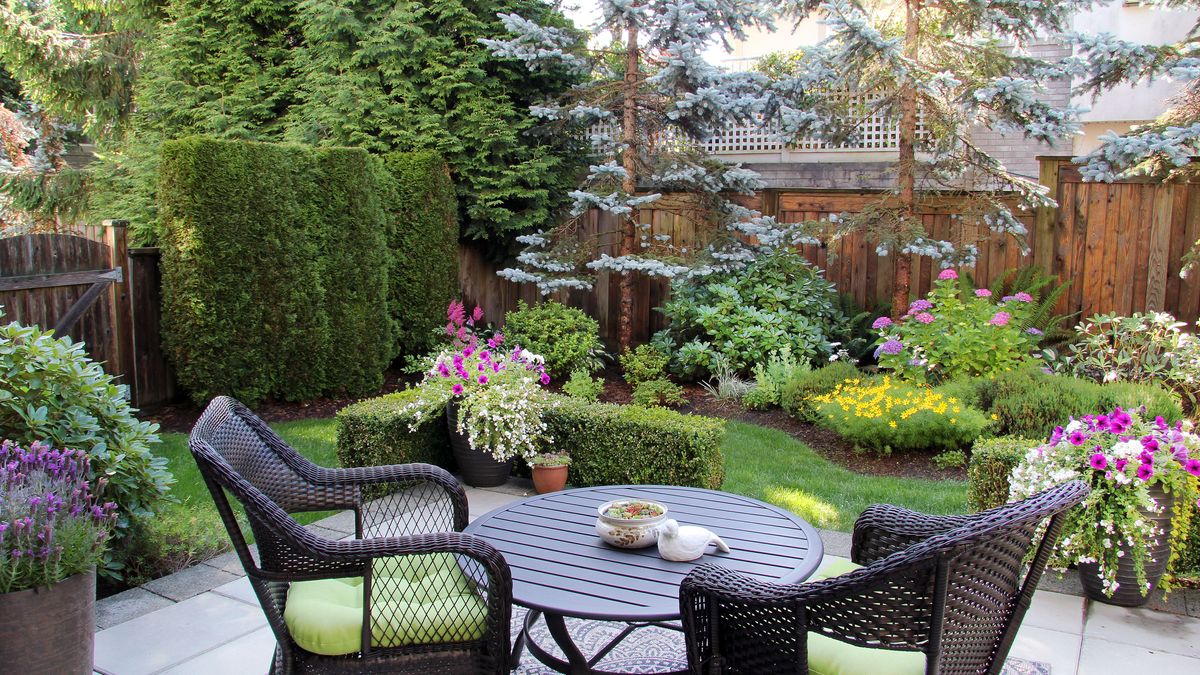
x,y
952,68
652,95
412,75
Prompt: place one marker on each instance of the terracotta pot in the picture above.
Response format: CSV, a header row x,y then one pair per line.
x,y
549,478
49,630
1128,594
477,468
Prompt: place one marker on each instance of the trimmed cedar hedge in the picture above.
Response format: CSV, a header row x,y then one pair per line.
x,y
608,444
278,260
992,462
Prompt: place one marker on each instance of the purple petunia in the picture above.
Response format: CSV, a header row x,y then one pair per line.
x,y
1000,319
1145,472
1098,461
457,389
881,323
1193,467
483,379
947,274
1078,438
544,379
982,293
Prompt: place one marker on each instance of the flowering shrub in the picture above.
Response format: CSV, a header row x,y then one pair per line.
x,y
1138,348
499,393
950,333
885,415
51,526
1120,455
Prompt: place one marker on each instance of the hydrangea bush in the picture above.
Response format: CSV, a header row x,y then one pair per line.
x,y
884,415
51,524
499,392
1120,454
951,333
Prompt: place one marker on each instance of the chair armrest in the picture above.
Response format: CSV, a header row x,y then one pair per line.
x,y
750,625
884,529
400,475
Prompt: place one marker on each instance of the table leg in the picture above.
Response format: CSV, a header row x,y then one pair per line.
x,y
514,659
578,663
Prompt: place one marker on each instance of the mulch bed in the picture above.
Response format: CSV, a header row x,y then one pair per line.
x,y
182,415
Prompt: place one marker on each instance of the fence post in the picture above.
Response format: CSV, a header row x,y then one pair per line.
x,y
118,250
1047,217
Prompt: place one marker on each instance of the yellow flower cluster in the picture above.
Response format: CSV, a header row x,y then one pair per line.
x,y
891,401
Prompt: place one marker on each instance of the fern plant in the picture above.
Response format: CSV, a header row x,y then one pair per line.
x,y
1046,290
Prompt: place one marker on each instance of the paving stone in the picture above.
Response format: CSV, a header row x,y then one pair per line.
x,y
1068,583
230,562
1103,657
175,634
1056,611
480,501
1057,649
248,654
126,605
189,582
1158,631
332,535
239,589
836,543
519,487
341,522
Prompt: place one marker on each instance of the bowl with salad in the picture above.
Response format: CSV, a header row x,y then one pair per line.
x,y
630,523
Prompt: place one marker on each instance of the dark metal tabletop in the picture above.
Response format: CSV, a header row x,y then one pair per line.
x,y
561,566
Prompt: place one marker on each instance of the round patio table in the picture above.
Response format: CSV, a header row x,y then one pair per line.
x,y
561,568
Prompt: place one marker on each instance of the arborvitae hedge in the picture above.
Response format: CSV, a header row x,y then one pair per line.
x,y
274,269
423,238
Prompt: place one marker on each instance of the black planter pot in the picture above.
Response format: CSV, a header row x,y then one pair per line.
x,y
477,468
1128,592
49,630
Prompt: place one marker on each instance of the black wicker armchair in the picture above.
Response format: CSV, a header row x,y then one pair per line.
x,y
411,593
935,594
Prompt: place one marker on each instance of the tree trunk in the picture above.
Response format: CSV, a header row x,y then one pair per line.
x,y
906,168
629,92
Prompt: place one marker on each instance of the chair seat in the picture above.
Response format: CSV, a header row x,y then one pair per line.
x,y
415,599
827,656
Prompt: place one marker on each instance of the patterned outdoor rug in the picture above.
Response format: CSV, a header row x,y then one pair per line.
x,y
652,650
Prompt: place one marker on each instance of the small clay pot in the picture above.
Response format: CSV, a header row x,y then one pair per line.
x,y
549,478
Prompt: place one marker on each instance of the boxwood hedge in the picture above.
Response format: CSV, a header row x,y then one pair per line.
x,y
992,461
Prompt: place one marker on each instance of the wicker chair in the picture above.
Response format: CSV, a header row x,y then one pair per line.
x,y
953,589
407,520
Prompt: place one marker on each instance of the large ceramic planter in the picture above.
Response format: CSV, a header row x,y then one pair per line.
x,y
49,630
549,478
478,468
1128,593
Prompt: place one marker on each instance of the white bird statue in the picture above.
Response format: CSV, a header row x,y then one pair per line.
x,y
682,543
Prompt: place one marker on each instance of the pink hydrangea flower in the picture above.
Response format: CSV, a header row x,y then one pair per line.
x,y
982,293
1000,319
1023,297
947,274
881,323
924,317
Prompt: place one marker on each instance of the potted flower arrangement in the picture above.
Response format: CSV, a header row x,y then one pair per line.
x,y
52,535
1145,476
493,399
550,471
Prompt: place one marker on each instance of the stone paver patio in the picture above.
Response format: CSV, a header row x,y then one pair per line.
x,y
206,620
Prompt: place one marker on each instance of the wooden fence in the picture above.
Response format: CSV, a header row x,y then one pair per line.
x,y
1120,245
96,293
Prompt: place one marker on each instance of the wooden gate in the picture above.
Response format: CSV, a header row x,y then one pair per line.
x,y
77,286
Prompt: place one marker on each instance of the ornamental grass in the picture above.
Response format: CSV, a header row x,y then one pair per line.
x,y
884,415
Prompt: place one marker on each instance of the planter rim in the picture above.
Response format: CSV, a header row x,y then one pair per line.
x,y
36,589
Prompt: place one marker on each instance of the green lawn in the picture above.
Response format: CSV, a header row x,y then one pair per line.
x,y
760,462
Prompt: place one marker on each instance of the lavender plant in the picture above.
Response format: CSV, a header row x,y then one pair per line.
x,y
52,526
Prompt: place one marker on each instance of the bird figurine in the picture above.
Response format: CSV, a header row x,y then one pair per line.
x,y
682,543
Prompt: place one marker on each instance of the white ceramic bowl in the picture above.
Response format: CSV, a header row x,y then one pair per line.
x,y
629,532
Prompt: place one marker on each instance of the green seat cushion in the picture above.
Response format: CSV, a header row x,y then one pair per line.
x,y
827,656
415,599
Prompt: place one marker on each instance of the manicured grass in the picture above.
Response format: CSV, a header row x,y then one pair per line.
x,y
772,466
315,439
762,463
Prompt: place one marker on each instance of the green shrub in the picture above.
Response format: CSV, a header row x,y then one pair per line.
x,y
624,444
1028,402
53,392
885,415
376,432
176,539
274,270
950,459
567,338
584,386
992,461
643,364
658,393
778,301
422,236
795,395
771,377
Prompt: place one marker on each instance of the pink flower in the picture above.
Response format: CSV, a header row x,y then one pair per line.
x,y
982,293
1000,319
1098,461
483,379
881,323
919,306
477,314
457,389
1193,467
947,274
544,379
1078,438
1023,297
1145,472
924,317
485,355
